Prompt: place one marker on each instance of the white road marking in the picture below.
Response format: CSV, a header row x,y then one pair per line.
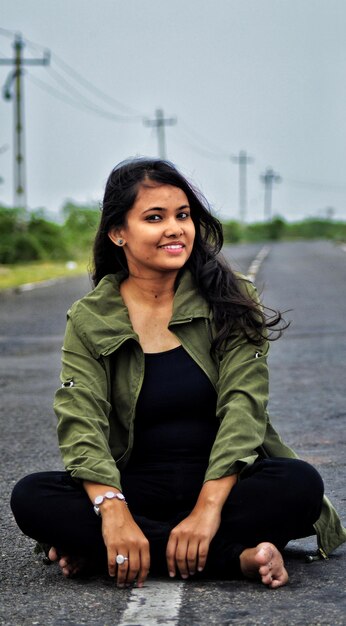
x,y
38,285
155,604
257,262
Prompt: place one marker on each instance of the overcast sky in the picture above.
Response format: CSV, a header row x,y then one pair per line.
x,y
264,76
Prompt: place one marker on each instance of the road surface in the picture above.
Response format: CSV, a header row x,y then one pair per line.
x,y
308,393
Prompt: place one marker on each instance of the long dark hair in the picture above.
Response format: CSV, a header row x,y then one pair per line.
x,y
231,305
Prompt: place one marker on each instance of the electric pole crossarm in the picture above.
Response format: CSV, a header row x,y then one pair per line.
x,y
44,61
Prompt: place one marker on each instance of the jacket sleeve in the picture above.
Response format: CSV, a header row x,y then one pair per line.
x,y
83,410
242,397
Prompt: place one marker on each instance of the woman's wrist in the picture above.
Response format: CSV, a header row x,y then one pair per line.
x,y
113,507
101,499
214,493
99,493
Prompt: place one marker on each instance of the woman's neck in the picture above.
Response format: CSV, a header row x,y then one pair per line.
x,y
155,291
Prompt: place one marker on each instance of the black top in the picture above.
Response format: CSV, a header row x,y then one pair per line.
x,y
175,414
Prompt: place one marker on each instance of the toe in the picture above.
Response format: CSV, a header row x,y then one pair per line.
x,y
52,554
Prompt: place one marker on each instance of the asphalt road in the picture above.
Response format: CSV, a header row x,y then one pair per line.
x,y
308,393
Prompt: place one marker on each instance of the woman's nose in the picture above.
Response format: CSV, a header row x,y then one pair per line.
x,y
173,229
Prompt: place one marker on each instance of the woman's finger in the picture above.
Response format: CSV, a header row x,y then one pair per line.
x,y
181,558
192,557
133,566
203,550
112,566
144,566
122,570
170,555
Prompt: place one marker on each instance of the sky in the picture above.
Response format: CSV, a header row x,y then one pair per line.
x,y
263,76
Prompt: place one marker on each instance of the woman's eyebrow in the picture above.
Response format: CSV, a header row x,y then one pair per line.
x,y
159,208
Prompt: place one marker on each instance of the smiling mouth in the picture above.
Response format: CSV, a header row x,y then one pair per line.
x,y
173,246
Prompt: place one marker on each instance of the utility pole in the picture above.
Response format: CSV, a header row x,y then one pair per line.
x,y
269,178
159,123
242,159
15,77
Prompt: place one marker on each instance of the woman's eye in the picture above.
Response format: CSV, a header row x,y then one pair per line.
x,y
153,218
183,215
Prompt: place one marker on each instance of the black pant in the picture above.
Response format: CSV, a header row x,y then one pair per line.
x,y
275,500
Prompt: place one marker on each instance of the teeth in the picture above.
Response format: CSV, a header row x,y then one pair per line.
x,y
173,247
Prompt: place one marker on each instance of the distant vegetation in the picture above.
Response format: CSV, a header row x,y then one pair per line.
x,y
278,229
32,236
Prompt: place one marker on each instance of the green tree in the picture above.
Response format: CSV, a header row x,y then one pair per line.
x,y
50,237
276,228
232,231
80,226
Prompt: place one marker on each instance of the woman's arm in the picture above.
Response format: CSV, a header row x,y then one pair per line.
x,y
242,396
189,542
82,408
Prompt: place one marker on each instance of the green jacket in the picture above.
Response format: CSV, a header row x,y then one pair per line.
x,y
102,374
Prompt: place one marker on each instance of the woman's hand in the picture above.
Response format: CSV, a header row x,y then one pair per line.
x,y
121,535
189,542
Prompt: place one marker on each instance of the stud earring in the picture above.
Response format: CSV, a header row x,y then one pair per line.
x,y
120,242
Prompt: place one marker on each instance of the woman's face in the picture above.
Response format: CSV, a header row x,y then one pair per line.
x,y
159,232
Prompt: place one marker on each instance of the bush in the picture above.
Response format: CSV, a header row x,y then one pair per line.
x,y
257,232
314,228
276,228
232,231
29,236
80,227
50,237
11,221
19,248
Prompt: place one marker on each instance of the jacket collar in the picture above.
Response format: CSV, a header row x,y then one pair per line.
x,y
102,321
188,303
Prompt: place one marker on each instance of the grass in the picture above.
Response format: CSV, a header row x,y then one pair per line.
x,y
15,275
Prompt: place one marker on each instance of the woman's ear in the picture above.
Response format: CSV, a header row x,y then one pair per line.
x,y
115,235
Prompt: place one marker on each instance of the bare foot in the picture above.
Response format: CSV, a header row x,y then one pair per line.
x,y
266,562
70,565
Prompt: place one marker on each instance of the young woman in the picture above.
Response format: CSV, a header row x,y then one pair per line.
x,y
171,460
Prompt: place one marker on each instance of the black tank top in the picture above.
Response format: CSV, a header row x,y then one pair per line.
x,y
175,413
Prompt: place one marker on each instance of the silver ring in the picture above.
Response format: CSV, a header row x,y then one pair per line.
x,y
120,559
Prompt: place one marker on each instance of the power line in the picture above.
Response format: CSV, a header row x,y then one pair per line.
x,y
200,150
65,98
7,33
77,103
75,97
211,151
95,90
85,83
316,185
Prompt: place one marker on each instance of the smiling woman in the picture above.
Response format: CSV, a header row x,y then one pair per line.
x,y
158,233
163,400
